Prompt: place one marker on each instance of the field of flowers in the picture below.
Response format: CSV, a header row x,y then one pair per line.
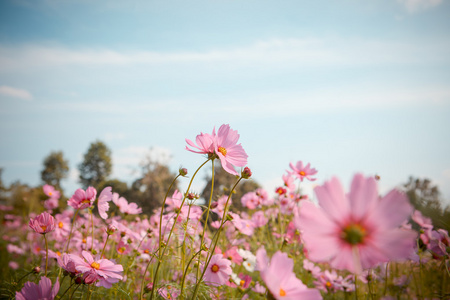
x,y
352,244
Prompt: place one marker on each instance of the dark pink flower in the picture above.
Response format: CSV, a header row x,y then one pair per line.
x,y
359,230
303,171
43,291
218,271
43,223
83,199
280,279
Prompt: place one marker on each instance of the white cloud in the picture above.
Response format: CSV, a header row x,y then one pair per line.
x,y
413,6
113,136
277,52
15,93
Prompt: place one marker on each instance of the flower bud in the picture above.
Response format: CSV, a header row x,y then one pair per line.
x,y
246,173
111,229
37,270
183,171
214,205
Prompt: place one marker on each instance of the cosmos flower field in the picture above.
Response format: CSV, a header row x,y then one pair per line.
x,y
349,243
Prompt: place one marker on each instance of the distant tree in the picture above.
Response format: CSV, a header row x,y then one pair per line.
x,y
96,166
426,197
149,189
55,169
223,182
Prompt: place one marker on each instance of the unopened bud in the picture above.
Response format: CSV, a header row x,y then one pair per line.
x,y
111,229
204,248
377,177
192,196
246,173
183,171
229,217
214,205
37,270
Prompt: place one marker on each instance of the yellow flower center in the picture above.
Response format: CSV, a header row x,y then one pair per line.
x,y
121,249
60,224
215,268
241,283
302,173
146,251
354,234
86,201
44,227
50,193
58,253
328,284
84,241
282,293
223,151
95,265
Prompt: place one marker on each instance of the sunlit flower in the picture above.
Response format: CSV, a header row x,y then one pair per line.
x,y
358,230
280,279
103,199
218,271
43,291
83,199
226,147
125,207
108,271
51,191
43,223
302,171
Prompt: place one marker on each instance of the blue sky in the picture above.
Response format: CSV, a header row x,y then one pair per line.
x,y
349,86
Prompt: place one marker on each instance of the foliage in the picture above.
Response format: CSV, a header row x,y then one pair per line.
x,y
55,169
426,197
96,166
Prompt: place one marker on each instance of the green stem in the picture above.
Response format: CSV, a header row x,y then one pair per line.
x,y
207,216
164,247
146,268
71,229
211,250
92,222
185,272
46,254
67,290
104,246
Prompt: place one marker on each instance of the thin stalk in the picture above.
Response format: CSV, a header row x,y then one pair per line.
x,y
71,229
104,246
67,290
164,247
46,254
211,250
186,270
207,215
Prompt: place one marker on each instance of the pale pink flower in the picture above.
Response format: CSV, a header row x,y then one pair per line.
x,y
205,143
42,223
125,207
280,279
83,199
226,147
51,191
103,199
108,271
43,291
251,200
13,265
302,171
259,219
223,145
359,230
233,255
51,203
218,271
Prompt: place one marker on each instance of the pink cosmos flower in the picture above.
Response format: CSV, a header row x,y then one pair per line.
x,y
108,271
356,231
32,291
218,271
303,171
51,203
226,147
124,206
42,223
103,199
83,199
280,279
51,191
